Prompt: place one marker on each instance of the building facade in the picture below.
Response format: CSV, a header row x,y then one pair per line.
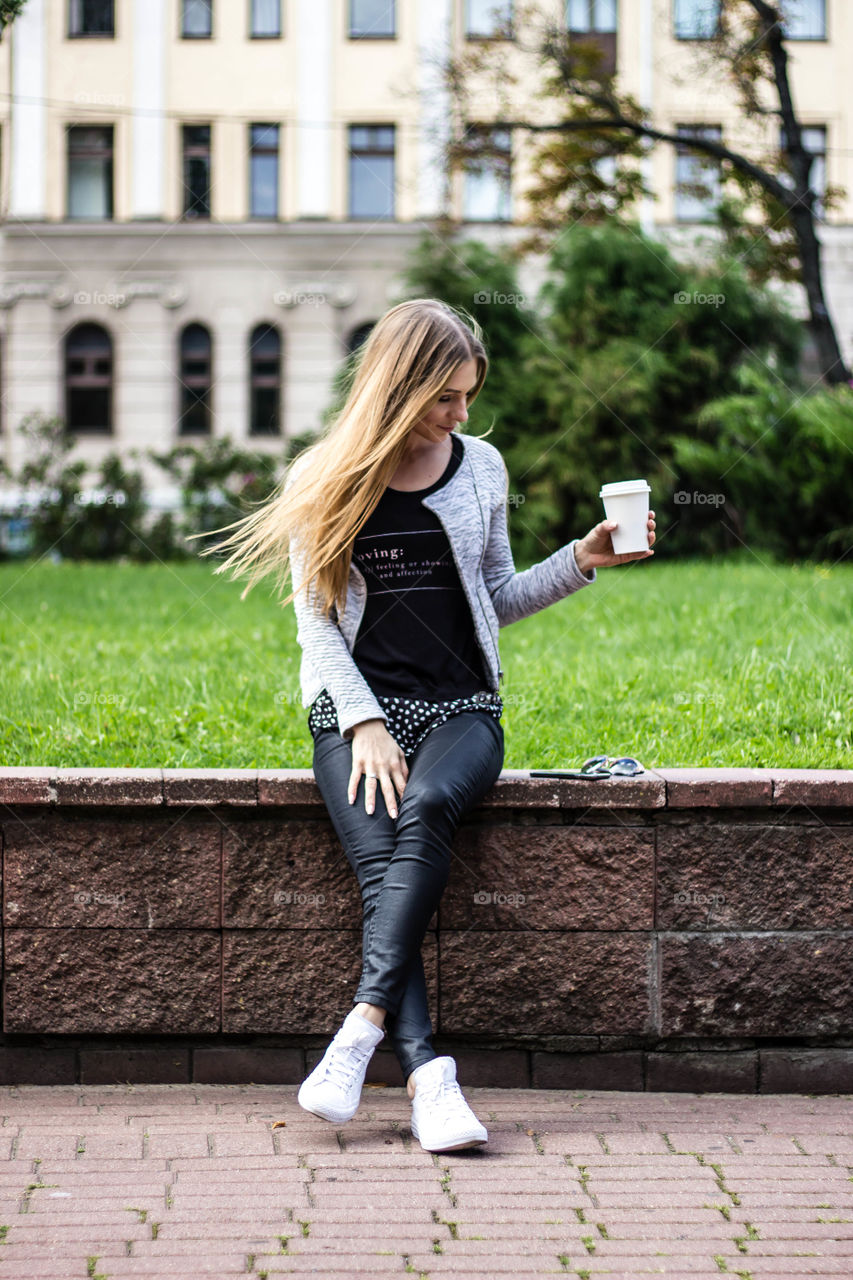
x,y
205,203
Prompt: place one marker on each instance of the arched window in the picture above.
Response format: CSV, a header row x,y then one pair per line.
x,y
89,379
196,381
265,381
359,336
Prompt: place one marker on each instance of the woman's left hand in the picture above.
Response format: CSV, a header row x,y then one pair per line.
x,y
595,551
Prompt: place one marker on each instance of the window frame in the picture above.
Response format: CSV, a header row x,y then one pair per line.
x,y
89,378
265,35
70,34
491,128
375,151
254,151
274,382
696,127
824,39
186,385
194,35
189,215
592,30
107,155
369,35
477,36
688,39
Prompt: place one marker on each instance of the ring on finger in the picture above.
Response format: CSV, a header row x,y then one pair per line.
x,y
372,775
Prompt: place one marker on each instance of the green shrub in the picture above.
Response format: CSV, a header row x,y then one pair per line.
x,y
783,464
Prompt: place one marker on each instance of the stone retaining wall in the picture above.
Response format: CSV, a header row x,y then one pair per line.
x,y
689,929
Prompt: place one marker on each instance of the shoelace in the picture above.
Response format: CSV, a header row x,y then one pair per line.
x,y
449,1093
341,1068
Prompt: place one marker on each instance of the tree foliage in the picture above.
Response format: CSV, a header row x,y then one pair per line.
x,y
587,140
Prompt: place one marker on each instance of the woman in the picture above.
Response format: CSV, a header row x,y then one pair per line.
x,y
395,529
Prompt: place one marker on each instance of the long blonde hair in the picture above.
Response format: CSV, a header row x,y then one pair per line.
x,y
329,491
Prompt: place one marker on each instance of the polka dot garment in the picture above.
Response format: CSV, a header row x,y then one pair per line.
x,y
409,719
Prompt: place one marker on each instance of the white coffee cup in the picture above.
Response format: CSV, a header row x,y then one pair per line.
x,y
627,502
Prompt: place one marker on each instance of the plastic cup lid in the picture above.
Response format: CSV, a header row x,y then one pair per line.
x,y
624,486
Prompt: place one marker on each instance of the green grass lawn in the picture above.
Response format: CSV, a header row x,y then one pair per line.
x,y
725,662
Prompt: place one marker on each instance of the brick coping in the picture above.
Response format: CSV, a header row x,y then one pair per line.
x,y
655,789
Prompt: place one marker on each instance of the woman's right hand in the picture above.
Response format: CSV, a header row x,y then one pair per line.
x,y
375,752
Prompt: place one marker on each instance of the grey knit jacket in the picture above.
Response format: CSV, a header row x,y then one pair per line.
x,y
472,507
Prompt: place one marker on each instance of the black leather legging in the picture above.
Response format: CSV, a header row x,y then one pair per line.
x,y
402,865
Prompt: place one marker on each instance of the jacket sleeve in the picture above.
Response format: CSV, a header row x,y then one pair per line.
x,y
517,595
323,644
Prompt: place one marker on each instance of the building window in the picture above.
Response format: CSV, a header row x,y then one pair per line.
x,y
196,19
487,18
88,379
814,142
371,171
91,18
196,381
265,381
358,336
591,15
804,19
266,19
697,177
90,171
696,19
196,146
263,170
371,20
488,176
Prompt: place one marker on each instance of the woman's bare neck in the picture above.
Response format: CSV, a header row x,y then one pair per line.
x,y
422,467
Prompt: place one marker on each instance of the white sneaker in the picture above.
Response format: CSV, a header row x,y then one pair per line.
x,y
333,1089
441,1118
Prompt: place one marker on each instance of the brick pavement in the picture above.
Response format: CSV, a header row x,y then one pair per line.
x,y
182,1181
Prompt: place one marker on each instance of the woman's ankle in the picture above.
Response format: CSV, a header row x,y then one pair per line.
x,y
372,1012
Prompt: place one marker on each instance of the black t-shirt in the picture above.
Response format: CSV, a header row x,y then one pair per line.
x,y
417,636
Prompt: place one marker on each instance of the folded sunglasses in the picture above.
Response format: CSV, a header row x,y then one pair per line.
x,y
594,768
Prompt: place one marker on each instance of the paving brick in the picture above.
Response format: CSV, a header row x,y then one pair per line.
x,y
729,1072
579,1070
717,788
108,786
376,1202
806,1071
248,1066
813,787
26,785
139,1066
210,786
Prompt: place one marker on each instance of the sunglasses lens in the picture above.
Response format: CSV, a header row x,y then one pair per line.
x,y
594,765
626,766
